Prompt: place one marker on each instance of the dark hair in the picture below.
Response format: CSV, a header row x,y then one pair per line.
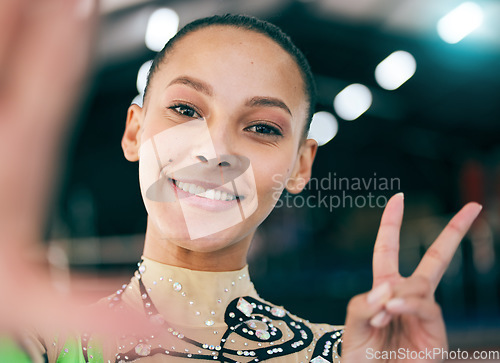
x,y
258,26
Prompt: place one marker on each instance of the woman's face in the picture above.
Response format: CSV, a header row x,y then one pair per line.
x,y
218,137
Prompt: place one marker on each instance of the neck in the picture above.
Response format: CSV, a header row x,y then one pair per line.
x,y
230,257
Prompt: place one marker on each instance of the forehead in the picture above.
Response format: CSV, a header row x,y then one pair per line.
x,y
237,63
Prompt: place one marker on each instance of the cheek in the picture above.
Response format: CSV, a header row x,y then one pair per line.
x,y
151,126
149,170
271,175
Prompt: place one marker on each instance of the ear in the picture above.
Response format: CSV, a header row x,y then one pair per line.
x,y
131,137
302,169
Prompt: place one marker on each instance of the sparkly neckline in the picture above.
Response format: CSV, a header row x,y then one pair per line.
x,y
241,328
189,297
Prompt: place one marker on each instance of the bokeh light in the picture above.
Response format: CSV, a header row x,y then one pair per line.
x,y
352,101
162,25
142,76
460,22
324,127
395,70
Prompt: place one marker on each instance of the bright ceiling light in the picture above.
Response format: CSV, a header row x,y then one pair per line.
x,y
138,100
142,76
352,101
162,25
460,22
324,127
395,70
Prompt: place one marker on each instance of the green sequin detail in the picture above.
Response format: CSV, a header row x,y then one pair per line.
x,y
72,352
94,352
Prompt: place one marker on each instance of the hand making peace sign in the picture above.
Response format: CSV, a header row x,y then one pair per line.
x,y
400,314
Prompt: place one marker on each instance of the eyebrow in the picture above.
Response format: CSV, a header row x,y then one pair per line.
x,y
205,88
196,84
267,102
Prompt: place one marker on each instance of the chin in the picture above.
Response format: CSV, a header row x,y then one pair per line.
x,y
206,244
178,234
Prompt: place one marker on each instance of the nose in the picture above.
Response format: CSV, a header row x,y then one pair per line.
x,y
214,142
198,142
202,158
214,151
223,140
222,163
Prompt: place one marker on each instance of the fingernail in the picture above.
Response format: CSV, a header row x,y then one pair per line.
x,y
401,194
395,303
377,294
379,319
479,207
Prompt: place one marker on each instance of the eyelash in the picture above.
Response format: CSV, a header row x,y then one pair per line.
x,y
271,131
182,106
274,131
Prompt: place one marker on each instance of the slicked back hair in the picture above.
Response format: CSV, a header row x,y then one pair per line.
x,y
253,24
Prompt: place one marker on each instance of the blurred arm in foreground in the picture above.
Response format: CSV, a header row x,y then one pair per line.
x,y
44,54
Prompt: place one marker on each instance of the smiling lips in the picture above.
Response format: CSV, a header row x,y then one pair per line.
x,y
198,190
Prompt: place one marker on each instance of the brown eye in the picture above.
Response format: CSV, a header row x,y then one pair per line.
x,y
264,129
185,110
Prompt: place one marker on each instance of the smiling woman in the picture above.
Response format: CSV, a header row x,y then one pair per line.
x,y
232,105
221,134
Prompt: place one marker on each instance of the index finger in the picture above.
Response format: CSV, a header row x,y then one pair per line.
x,y
439,255
386,250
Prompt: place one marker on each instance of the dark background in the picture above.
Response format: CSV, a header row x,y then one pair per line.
x,y
438,134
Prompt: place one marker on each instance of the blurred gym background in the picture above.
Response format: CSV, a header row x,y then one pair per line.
x,y
408,92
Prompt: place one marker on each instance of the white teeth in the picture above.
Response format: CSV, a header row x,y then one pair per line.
x,y
210,194
204,193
